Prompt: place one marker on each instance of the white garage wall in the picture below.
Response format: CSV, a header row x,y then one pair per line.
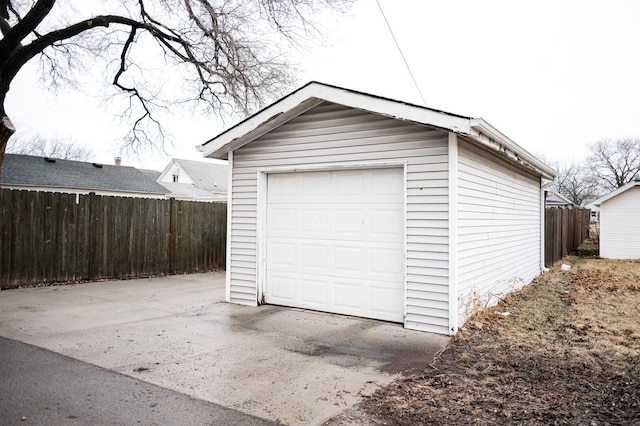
x,y
620,226
498,229
330,134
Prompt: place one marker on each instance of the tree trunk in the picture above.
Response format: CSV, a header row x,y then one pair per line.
x,y
6,130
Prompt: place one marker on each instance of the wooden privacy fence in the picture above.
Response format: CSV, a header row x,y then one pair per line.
x,y
55,237
565,230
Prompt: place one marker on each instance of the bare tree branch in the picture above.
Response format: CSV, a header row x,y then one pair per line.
x,y
226,54
575,182
615,163
13,37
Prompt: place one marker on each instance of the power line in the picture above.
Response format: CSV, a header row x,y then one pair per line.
x,y
401,54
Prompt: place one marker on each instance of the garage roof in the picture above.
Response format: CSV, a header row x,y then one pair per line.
x,y
633,183
314,93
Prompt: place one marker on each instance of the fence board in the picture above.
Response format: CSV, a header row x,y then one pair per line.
x,y
565,230
83,244
5,240
50,237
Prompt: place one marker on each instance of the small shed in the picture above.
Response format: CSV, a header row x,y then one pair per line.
x,y
556,200
350,203
620,222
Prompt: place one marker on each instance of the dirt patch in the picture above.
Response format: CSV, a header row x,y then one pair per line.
x,y
563,350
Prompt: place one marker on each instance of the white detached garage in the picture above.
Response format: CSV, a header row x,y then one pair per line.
x,y
620,222
353,204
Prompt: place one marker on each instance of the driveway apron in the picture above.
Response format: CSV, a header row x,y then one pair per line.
x,y
177,332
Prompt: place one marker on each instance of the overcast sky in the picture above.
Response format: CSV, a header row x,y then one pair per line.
x,y
553,75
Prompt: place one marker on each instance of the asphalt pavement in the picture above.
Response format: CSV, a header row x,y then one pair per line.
x,y
40,387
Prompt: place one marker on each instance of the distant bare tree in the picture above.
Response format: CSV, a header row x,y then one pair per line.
x,y
615,163
224,53
49,147
576,182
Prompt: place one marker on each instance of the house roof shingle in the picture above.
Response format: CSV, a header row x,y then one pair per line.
x,y
153,174
27,170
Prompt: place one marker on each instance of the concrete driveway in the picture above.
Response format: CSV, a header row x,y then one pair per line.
x,y
295,366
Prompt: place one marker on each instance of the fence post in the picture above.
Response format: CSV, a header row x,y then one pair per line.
x,y
93,240
172,234
5,237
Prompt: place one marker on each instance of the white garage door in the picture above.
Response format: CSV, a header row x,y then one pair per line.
x,y
334,242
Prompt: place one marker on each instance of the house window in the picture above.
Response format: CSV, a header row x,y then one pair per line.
x,y
175,177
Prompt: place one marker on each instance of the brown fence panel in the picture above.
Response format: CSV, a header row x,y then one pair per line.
x,y
198,233
565,230
50,237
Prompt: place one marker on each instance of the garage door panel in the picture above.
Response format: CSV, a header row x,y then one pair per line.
x,y
313,221
349,221
348,297
386,261
336,258
282,288
338,247
283,190
349,184
313,292
380,297
348,259
282,255
313,257
314,184
384,224
282,220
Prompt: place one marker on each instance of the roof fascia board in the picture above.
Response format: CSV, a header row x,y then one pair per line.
x,y
491,137
394,109
616,192
258,125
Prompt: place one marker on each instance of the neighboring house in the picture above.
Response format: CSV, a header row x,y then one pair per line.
x,y
620,222
554,199
595,212
350,203
195,180
76,177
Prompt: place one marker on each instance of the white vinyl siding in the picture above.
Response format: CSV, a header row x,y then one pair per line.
x,y
499,233
332,134
620,226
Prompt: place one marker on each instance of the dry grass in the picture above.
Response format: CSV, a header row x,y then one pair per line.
x,y
568,353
